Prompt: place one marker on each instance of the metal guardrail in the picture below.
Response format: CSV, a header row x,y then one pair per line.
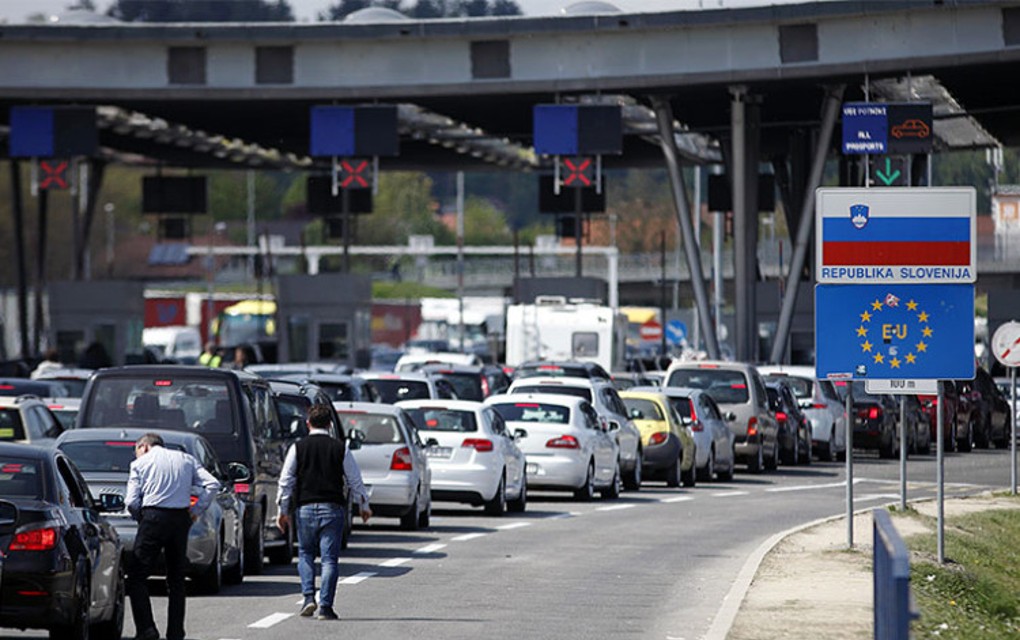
x,y
893,603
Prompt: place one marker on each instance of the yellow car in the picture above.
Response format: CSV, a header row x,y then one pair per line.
x,y
667,445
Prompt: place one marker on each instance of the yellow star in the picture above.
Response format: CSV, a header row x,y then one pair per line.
x,y
911,358
911,306
876,305
861,332
922,317
895,363
879,358
866,346
921,346
927,332
865,317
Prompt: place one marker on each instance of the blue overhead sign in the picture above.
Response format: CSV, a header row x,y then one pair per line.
x,y
887,127
865,128
676,331
890,331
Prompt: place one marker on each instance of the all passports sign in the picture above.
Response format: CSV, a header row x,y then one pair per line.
x,y
873,236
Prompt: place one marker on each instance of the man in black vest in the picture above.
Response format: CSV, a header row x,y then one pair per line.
x,y
312,484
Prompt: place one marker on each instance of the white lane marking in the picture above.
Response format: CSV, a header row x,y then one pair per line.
x,y
676,499
877,496
467,536
358,577
513,525
807,487
728,494
270,620
561,516
431,548
616,507
394,562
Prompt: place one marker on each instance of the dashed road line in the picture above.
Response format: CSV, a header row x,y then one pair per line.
x,y
394,562
358,577
676,499
617,507
431,548
513,525
807,487
270,620
729,494
468,536
562,516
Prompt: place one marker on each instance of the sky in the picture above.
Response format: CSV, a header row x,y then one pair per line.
x,y
306,10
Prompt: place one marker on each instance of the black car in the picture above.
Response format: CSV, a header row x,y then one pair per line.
x,y
875,418
61,558
570,368
340,388
41,388
471,382
234,410
992,424
794,427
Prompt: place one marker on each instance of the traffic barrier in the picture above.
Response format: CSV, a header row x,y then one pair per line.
x,y
893,602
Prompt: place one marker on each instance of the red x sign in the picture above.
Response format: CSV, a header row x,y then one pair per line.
x,y
355,174
54,174
578,172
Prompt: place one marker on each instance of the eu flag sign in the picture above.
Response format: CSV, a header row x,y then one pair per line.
x,y
894,331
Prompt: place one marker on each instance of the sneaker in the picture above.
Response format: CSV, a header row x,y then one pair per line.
x,y
308,608
326,613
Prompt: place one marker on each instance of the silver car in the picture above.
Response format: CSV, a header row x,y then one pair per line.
x,y
820,402
475,458
394,387
714,442
215,541
392,459
606,400
566,445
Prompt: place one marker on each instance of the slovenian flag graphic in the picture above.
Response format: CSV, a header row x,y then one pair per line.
x,y
893,241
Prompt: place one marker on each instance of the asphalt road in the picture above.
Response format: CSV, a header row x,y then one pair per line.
x,y
653,564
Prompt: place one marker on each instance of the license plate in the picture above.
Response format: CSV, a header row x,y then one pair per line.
x,y
439,452
531,467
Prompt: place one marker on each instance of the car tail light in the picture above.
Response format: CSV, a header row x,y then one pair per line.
x,y
563,442
478,444
401,460
819,405
694,413
35,540
485,387
34,594
193,501
708,366
781,416
242,487
658,437
752,427
697,426
871,413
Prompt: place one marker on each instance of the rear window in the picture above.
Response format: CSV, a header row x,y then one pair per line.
x,y
641,409
162,402
395,390
467,385
11,427
104,456
531,371
682,406
73,387
20,478
533,412
293,413
340,391
443,419
725,386
801,387
377,429
65,415
562,390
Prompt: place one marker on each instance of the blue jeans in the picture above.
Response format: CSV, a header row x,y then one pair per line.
x,y
320,527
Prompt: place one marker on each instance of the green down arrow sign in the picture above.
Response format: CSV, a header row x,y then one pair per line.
x,y
890,175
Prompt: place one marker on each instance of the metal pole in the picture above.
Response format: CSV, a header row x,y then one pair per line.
x,y
577,228
664,116
76,244
717,274
850,465
460,254
345,201
19,254
251,221
40,268
696,222
940,474
662,291
738,167
110,221
1012,430
807,218
903,453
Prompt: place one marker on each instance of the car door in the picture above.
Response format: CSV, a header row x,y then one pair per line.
x,y
603,446
421,460
628,437
225,498
722,437
513,459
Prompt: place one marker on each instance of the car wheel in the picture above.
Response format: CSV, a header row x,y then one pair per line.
x,y
772,463
284,554
805,450
234,574
255,548
345,537
673,476
789,456
409,521
210,581
966,445
888,451
497,506
586,492
78,628
727,475
689,478
519,504
113,628
757,463
706,473
982,439
425,517
612,492
827,453
633,480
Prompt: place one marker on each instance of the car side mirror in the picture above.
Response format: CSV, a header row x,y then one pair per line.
x,y
239,472
111,503
8,517
431,442
685,421
730,416
520,433
614,425
355,438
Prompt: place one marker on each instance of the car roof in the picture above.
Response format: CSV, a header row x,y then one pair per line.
x,y
365,407
194,371
669,392
30,451
565,381
711,364
17,401
440,367
105,433
70,373
548,398
644,395
458,405
403,375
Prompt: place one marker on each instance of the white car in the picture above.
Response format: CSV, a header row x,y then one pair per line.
x,y
475,459
394,387
606,400
567,446
414,361
27,419
820,402
392,459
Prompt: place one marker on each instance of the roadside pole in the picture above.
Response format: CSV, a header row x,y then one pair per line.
x,y
940,474
1004,345
1012,430
903,453
849,464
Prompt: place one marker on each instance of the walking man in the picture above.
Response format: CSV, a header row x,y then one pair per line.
x,y
160,485
312,483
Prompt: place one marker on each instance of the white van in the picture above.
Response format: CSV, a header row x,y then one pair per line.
x,y
557,329
180,342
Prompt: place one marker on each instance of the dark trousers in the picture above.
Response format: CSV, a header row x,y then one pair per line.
x,y
166,531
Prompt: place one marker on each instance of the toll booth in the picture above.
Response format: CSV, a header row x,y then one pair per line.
x,y
325,317
97,323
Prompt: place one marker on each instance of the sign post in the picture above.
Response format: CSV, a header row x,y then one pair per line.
x,y
1006,349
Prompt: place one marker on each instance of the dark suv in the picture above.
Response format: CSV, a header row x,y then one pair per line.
x,y
567,368
992,409
472,382
234,410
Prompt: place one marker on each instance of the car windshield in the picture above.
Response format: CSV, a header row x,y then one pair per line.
x,y
443,419
340,391
11,427
75,387
572,371
104,456
65,415
801,387
377,428
161,402
20,478
557,389
724,385
467,385
394,390
642,409
533,412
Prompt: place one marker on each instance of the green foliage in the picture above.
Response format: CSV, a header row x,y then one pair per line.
x,y
403,207
426,9
484,224
202,11
389,290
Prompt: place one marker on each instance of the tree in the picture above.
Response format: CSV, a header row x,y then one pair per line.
x,y
344,8
202,11
484,224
